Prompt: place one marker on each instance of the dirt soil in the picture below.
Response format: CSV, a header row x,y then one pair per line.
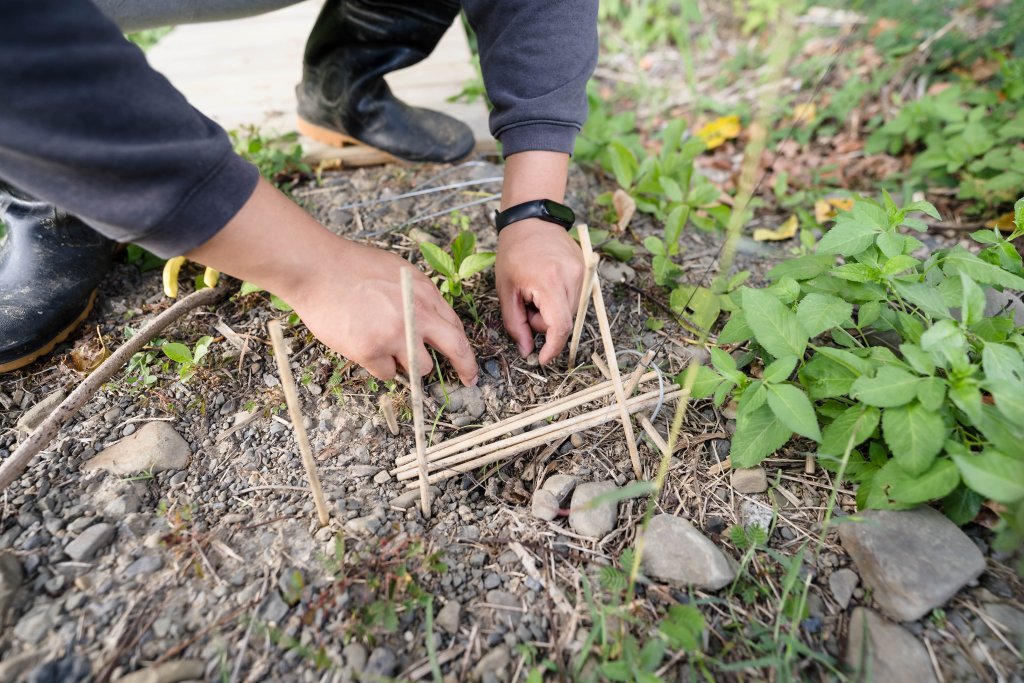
x,y
221,563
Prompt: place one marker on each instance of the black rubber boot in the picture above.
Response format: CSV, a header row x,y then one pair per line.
x,y
50,266
343,96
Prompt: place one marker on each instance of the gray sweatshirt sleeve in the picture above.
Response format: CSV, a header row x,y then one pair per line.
x,y
536,57
87,125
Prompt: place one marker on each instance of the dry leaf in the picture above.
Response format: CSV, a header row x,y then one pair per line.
x,y
718,131
804,113
89,354
1003,224
826,209
784,232
625,207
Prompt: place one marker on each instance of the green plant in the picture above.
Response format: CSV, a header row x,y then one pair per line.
x,y
455,268
279,159
148,38
275,301
888,363
188,360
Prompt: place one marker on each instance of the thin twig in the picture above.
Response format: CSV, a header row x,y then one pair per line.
x,y
415,387
13,466
291,397
581,308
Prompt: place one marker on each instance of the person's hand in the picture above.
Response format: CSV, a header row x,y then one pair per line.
x,y
539,273
349,295
356,309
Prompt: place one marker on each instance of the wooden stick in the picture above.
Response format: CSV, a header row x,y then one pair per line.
x,y
720,467
543,435
601,366
613,368
652,432
291,397
581,308
415,387
526,419
809,463
634,379
387,407
592,420
42,435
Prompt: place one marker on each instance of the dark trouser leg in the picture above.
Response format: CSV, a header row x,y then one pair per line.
x,y
343,94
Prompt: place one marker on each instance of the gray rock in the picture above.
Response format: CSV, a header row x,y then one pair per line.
x,y
274,608
11,576
473,402
997,302
448,618
492,580
842,583
544,505
533,360
509,608
37,622
382,477
753,480
35,415
355,656
156,447
913,560
13,667
883,652
1007,617
363,470
122,505
676,552
493,662
753,514
147,564
593,522
492,368
616,271
381,664
560,485
363,526
90,541
168,672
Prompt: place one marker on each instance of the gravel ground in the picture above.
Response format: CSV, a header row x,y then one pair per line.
x,y
215,569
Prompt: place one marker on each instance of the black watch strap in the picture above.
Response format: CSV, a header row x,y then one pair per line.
x,y
544,209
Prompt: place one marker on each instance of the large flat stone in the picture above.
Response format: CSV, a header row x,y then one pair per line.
x,y
676,552
154,448
35,415
912,560
880,651
89,542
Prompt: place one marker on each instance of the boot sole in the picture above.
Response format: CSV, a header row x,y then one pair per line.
x,y
334,138
52,344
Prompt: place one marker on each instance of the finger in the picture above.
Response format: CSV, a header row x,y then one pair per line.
x,y
452,342
536,320
382,367
554,308
436,302
513,312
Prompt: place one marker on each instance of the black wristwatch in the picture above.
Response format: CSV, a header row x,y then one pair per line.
x,y
544,209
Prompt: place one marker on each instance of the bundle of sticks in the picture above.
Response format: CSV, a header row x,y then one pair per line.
x,y
505,439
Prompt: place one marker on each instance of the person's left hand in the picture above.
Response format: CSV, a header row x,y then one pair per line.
x,y
539,272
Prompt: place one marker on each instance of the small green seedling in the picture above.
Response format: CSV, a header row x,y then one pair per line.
x,y
455,268
188,360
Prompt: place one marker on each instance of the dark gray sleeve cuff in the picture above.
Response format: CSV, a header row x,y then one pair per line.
x,y
546,136
207,208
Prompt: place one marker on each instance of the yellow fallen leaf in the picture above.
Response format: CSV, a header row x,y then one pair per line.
x,y
826,209
210,277
170,275
1004,223
625,207
784,232
718,131
804,113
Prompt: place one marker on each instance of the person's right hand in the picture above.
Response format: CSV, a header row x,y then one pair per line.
x,y
349,295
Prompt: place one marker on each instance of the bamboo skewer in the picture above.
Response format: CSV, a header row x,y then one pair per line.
x,y
652,432
291,397
415,387
589,420
544,434
635,378
601,366
610,357
523,420
581,308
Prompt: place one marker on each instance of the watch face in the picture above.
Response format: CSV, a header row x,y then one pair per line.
x,y
559,211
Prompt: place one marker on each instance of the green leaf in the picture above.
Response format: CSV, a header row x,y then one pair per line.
x,y
944,340
757,436
820,312
836,436
924,207
888,388
726,364
202,349
962,505
249,288
775,327
674,225
915,436
972,308
438,259
794,410
918,359
993,474
959,260
735,330
803,267
280,304
939,481
931,392
826,378
753,397
1004,378
891,243
780,370
617,250
462,246
704,385
623,162
682,627
475,263
179,353
654,245
857,272
847,237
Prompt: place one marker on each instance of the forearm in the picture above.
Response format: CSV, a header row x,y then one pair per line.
x,y
534,175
